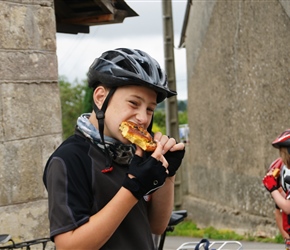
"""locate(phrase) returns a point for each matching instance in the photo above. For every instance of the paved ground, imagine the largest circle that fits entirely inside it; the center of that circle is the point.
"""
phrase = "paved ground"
(173, 242)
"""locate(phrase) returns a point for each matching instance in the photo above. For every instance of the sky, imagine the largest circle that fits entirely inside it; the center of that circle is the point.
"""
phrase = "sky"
(145, 32)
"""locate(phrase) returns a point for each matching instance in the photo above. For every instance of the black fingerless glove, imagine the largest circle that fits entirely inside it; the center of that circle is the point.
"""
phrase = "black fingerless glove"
(174, 160)
(149, 176)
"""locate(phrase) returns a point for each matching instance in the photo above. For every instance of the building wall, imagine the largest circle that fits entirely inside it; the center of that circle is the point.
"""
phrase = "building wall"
(238, 82)
(30, 114)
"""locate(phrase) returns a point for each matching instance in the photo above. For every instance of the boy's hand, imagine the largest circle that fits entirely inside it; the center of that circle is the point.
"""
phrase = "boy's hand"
(270, 183)
(144, 177)
(173, 152)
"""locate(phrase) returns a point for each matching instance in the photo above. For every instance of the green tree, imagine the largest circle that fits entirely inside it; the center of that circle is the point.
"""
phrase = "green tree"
(72, 104)
(88, 99)
(159, 123)
(182, 117)
(182, 105)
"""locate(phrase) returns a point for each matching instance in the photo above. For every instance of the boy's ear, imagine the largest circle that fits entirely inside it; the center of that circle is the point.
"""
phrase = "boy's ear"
(99, 96)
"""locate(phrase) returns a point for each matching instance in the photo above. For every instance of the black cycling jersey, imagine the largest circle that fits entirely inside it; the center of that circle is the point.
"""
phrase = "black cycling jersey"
(77, 189)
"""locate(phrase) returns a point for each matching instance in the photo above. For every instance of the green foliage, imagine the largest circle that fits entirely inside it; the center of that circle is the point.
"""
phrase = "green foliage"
(182, 117)
(160, 106)
(72, 104)
(189, 229)
(182, 106)
(159, 123)
(279, 239)
(156, 128)
(160, 119)
(88, 99)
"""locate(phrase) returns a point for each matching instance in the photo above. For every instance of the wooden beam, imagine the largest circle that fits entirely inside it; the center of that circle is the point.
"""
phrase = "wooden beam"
(89, 20)
(71, 28)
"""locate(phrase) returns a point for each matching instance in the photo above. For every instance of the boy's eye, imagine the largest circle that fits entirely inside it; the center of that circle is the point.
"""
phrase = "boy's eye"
(150, 110)
(134, 103)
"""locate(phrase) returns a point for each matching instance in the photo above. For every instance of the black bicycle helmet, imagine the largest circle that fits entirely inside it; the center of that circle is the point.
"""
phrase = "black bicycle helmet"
(283, 140)
(124, 66)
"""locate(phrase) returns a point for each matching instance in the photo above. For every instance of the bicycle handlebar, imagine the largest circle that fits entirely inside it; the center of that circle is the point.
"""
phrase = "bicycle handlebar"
(24, 244)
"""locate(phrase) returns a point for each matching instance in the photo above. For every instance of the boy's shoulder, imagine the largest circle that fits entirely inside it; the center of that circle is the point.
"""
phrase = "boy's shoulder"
(73, 145)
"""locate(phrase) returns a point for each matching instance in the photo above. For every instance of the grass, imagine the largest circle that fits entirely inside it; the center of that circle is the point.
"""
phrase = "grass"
(190, 229)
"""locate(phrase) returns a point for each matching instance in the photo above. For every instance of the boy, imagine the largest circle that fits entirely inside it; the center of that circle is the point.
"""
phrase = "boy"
(104, 192)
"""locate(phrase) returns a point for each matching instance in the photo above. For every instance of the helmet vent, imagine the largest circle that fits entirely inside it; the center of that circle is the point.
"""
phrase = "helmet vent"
(146, 67)
(125, 65)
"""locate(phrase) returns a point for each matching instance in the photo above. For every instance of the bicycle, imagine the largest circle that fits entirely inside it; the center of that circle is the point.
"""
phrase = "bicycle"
(11, 244)
(205, 244)
(176, 217)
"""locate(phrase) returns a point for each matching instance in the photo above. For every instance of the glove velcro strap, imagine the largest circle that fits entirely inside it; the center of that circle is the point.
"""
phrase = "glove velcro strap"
(134, 186)
(273, 189)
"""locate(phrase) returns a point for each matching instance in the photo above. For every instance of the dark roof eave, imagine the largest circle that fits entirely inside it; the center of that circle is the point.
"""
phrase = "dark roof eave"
(77, 16)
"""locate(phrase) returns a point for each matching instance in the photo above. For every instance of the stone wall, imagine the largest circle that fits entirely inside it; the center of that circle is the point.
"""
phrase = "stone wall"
(30, 114)
(238, 82)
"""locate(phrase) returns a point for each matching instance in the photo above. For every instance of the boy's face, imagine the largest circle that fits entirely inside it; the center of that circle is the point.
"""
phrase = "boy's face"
(129, 103)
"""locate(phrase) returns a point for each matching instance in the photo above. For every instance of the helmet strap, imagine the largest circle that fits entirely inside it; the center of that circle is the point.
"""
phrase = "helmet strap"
(100, 115)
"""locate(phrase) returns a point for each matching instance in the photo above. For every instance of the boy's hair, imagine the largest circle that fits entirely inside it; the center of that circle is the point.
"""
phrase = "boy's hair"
(285, 156)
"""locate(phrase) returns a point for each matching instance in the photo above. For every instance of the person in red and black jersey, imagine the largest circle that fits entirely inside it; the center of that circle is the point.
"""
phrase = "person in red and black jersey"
(279, 187)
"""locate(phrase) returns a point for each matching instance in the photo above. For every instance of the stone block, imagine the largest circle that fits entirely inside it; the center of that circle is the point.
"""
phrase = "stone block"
(30, 110)
(25, 221)
(206, 213)
(27, 27)
(21, 168)
(46, 3)
(28, 66)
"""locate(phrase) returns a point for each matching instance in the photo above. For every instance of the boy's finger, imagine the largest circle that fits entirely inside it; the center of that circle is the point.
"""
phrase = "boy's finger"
(157, 154)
